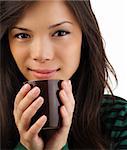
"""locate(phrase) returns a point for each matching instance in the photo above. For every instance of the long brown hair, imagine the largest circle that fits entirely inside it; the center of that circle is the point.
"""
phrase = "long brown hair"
(88, 82)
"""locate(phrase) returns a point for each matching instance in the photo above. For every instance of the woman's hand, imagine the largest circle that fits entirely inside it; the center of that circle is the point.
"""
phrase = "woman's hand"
(59, 139)
(26, 105)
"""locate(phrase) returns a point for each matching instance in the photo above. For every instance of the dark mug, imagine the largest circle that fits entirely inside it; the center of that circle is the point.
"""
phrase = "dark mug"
(50, 92)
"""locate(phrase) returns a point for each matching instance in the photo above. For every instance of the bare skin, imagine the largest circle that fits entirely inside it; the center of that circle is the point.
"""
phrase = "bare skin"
(25, 107)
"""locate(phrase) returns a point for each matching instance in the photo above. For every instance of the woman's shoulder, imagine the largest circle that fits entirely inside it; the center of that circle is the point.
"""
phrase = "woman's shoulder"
(108, 98)
(113, 105)
(114, 108)
(114, 119)
(112, 100)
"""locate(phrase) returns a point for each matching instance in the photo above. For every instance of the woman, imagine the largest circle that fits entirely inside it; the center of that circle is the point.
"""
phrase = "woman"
(57, 40)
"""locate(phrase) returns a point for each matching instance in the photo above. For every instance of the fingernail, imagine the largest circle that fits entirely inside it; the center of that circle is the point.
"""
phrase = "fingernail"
(26, 86)
(41, 99)
(69, 82)
(64, 83)
(36, 90)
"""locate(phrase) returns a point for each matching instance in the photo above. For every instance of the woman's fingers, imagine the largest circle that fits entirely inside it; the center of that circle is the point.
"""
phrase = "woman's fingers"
(26, 101)
(37, 126)
(21, 94)
(66, 119)
(66, 97)
(67, 109)
(67, 87)
(29, 113)
(30, 138)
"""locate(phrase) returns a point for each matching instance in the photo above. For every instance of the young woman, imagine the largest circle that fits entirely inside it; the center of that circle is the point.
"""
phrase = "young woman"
(43, 40)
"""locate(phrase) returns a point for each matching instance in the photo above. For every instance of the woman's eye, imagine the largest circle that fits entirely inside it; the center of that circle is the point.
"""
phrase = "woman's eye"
(61, 33)
(22, 36)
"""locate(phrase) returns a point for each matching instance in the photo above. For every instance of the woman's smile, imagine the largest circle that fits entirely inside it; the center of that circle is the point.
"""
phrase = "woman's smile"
(43, 73)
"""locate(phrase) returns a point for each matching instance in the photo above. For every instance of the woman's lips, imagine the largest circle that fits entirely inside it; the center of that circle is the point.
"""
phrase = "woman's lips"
(43, 74)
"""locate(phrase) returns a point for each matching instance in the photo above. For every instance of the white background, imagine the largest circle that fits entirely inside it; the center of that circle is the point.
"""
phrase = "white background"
(112, 19)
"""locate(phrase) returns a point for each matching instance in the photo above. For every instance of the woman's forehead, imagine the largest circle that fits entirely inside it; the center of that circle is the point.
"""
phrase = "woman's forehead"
(50, 12)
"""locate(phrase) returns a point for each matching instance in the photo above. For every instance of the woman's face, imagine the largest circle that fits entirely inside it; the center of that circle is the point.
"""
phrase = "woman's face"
(46, 41)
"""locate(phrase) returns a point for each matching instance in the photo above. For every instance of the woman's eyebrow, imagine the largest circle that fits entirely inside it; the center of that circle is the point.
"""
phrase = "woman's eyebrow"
(58, 24)
(51, 26)
(21, 28)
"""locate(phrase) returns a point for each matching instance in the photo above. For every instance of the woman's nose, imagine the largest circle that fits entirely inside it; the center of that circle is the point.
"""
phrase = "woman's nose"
(42, 50)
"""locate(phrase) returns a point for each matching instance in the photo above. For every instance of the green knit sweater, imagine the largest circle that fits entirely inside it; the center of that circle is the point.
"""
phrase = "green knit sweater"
(114, 117)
